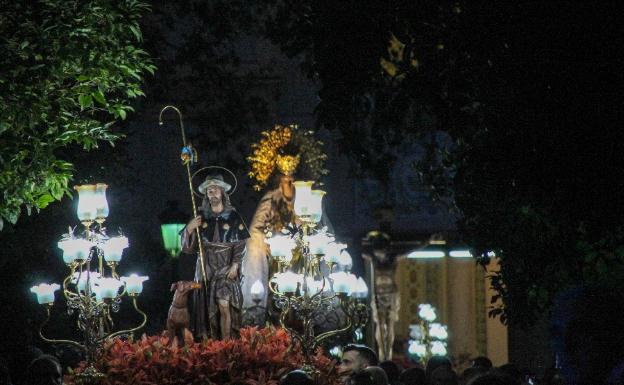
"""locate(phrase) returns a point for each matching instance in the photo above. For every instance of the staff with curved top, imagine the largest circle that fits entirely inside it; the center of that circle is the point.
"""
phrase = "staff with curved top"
(188, 156)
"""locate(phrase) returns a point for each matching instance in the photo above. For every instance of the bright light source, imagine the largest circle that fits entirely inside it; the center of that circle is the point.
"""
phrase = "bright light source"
(438, 348)
(416, 348)
(427, 312)
(426, 254)
(134, 283)
(460, 254)
(438, 331)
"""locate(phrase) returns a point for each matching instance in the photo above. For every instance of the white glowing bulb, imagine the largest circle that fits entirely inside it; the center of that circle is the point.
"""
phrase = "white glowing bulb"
(75, 249)
(320, 242)
(134, 283)
(287, 282)
(345, 259)
(416, 332)
(416, 348)
(91, 276)
(438, 331)
(109, 287)
(113, 248)
(426, 312)
(438, 348)
(281, 247)
(45, 292)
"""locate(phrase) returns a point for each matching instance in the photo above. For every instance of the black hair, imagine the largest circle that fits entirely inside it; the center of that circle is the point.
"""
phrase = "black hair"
(364, 351)
(392, 370)
(482, 362)
(413, 376)
(296, 377)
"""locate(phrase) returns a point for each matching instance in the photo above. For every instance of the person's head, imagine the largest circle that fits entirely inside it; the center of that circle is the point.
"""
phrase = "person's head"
(355, 358)
(511, 371)
(482, 362)
(443, 375)
(296, 377)
(379, 375)
(413, 376)
(392, 370)
(44, 370)
(216, 199)
(435, 362)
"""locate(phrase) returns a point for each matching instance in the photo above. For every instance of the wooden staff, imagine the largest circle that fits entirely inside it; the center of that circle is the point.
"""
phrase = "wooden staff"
(188, 156)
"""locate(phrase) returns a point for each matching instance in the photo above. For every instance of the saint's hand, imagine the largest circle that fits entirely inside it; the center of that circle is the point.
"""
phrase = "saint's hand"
(193, 224)
(233, 272)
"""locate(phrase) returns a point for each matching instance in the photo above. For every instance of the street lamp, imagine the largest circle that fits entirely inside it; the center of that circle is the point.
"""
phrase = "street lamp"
(172, 221)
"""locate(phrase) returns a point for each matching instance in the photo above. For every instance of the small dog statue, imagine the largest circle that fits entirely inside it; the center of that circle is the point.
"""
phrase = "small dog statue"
(178, 318)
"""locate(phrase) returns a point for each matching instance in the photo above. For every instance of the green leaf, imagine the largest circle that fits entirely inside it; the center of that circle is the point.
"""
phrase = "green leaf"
(85, 101)
(137, 33)
(99, 97)
(44, 200)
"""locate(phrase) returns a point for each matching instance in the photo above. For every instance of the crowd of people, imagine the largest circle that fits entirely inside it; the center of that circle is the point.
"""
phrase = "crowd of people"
(360, 366)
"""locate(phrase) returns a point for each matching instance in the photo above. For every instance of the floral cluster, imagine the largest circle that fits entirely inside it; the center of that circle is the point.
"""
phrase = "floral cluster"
(284, 147)
(260, 356)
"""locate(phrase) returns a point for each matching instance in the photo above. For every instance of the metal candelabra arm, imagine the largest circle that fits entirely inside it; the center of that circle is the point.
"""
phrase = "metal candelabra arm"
(57, 341)
(318, 339)
(129, 331)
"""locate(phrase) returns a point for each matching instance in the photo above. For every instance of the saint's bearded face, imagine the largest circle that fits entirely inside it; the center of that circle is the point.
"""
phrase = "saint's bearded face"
(215, 195)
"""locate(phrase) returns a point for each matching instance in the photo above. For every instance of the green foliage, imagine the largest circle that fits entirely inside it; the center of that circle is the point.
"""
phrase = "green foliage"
(69, 69)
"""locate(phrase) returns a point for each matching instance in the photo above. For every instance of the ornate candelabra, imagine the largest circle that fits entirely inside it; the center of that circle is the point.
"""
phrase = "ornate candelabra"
(306, 283)
(92, 291)
(428, 338)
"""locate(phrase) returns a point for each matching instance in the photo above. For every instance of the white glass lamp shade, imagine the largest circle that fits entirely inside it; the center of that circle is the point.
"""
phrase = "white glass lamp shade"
(437, 330)
(361, 289)
(101, 204)
(281, 247)
(345, 260)
(109, 287)
(80, 279)
(287, 282)
(316, 205)
(313, 286)
(257, 290)
(134, 283)
(303, 198)
(87, 202)
(45, 292)
(416, 332)
(341, 282)
(113, 248)
(438, 348)
(417, 348)
(319, 243)
(332, 252)
(426, 312)
(75, 249)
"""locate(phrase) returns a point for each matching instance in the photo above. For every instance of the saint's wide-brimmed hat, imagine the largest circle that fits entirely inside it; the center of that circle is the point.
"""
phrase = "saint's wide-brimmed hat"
(213, 180)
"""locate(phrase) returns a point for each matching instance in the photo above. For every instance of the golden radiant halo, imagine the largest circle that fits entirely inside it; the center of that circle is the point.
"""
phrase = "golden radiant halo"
(267, 154)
